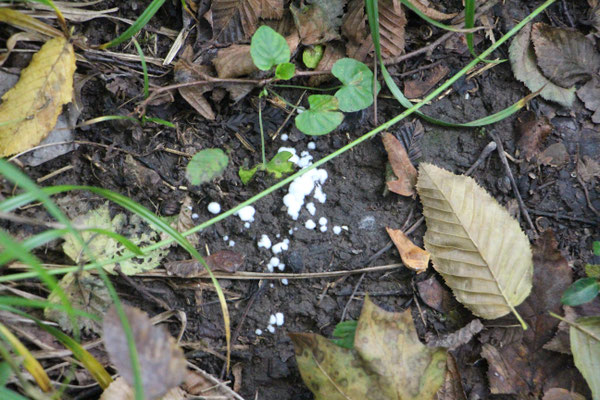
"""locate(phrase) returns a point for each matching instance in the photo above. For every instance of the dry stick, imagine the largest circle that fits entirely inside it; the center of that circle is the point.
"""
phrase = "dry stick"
(587, 195)
(289, 115)
(513, 183)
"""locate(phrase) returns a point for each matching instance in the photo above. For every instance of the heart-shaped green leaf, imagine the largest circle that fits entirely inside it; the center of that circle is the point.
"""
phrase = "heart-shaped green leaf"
(247, 174)
(357, 92)
(285, 71)
(312, 56)
(280, 165)
(206, 165)
(268, 48)
(321, 118)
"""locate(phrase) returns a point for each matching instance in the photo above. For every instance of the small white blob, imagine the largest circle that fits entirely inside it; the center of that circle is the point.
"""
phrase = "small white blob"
(225, 238)
(281, 246)
(258, 332)
(272, 319)
(231, 243)
(322, 221)
(284, 137)
(323, 228)
(247, 225)
(195, 216)
(271, 328)
(281, 267)
(279, 318)
(189, 208)
(319, 195)
(291, 231)
(310, 224)
(311, 208)
(246, 214)
(284, 281)
(337, 230)
(264, 242)
(311, 145)
(278, 236)
(214, 208)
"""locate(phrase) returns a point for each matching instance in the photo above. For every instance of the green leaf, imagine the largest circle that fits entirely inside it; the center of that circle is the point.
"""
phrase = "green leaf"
(5, 373)
(581, 291)
(357, 92)
(137, 25)
(268, 48)
(206, 165)
(285, 71)
(345, 332)
(596, 248)
(312, 56)
(280, 165)
(592, 270)
(247, 174)
(584, 334)
(321, 118)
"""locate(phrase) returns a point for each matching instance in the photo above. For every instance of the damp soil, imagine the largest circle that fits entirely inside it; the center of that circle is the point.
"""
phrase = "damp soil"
(356, 200)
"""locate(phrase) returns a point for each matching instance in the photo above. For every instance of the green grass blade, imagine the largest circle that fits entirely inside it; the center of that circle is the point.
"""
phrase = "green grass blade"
(159, 121)
(7, 301)
(433, 22)
(469, 24)
(35, 241)
(137, 25)
(8, 394)
(144, 67)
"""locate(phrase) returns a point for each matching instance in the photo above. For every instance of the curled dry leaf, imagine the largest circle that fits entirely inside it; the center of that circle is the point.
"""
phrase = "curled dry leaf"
(425, 7)
(405, 172)
(555, 155)
(479, 249)
(234, 20)
(201, 383)
(523, 63)
(531, 132)
(456, 339)
(224, 260)
(31, 108)
(371, 370)
(234, 61)
(163, 365)
(412, 256)
(590, 95)
(565, 56)
(319, 21)
(186, 71)
(436, 296)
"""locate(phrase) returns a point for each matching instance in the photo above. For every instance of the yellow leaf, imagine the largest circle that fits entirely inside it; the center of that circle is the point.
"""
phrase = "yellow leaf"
(474, 243)
(412, 255)
(30, 109)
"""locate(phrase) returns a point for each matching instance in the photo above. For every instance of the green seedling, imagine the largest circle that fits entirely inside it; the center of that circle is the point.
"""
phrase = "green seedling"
(278, 166)
(206, 165)
(312, 56)
(585, 290)
(344, 333)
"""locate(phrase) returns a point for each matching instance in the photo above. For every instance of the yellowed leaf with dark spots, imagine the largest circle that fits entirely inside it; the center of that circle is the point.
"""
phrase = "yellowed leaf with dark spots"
(412, 255)
(30, 109)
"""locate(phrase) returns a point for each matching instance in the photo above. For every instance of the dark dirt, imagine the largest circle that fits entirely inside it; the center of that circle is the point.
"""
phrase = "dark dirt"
(354, 198)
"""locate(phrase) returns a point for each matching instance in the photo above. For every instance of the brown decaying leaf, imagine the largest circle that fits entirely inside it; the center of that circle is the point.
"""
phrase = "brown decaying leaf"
(318, 22)
(588, 168)
(185, 221)
(392, 22)
(410, 134)
(354, 22)
(224, 260)
(555, 155)
(140, 175)
(186, 71)
(523, 64)
(163, 365)
(271, 9)
(120, 390)
(565, 56)
(456, 339)
(31, 108)
(234, 61)
(561, 394)
(401, 165)
(332, 53)
(590, 95)
(388, 361)
(412, 256)
(452, 389)
(523, 367)
(234, 20)
(436, 296)
(425, 7)
(594, 14)
(531, 132)
(418, 88)
(201, 383)
(560, 342)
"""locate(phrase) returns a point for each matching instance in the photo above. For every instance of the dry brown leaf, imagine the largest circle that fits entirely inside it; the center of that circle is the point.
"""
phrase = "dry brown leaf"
(452, 389)
(436, 296)
(186, 71)
(555, 155)
(271, 9)
(412, 256)
(120, 390)
(456, 339)
(392, 22)
(410, 134)
(201, 383)
(224, 260)
(418, 88)
(561, 342)
(332, 53)
(354, 23)
(138, 174)
(562, 394)
(234, 61)
(565, 56)
(590, 95)
(318, 22)
(31, 108)
(425, 7)
(588, 168)
(185, 221)
(163, 365)
(594, 14)
(401, 165)
(234, 20)
(531, 133)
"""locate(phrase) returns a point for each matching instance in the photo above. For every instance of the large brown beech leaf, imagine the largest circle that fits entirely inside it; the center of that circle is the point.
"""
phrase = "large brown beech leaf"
(234, 20)
(392, 22)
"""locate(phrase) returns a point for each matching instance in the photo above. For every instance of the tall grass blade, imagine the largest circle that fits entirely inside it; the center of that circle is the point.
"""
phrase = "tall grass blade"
(144, 67)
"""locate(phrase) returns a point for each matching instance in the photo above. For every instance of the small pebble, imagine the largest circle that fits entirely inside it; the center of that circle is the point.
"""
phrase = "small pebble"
(279, 318)
(311, 145)
(214, 208)
(284, 137)
(310, 224)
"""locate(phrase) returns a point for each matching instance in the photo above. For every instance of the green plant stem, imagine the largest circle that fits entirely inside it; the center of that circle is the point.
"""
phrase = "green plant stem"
(308, 88)
(289, 179)
(262, 134)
